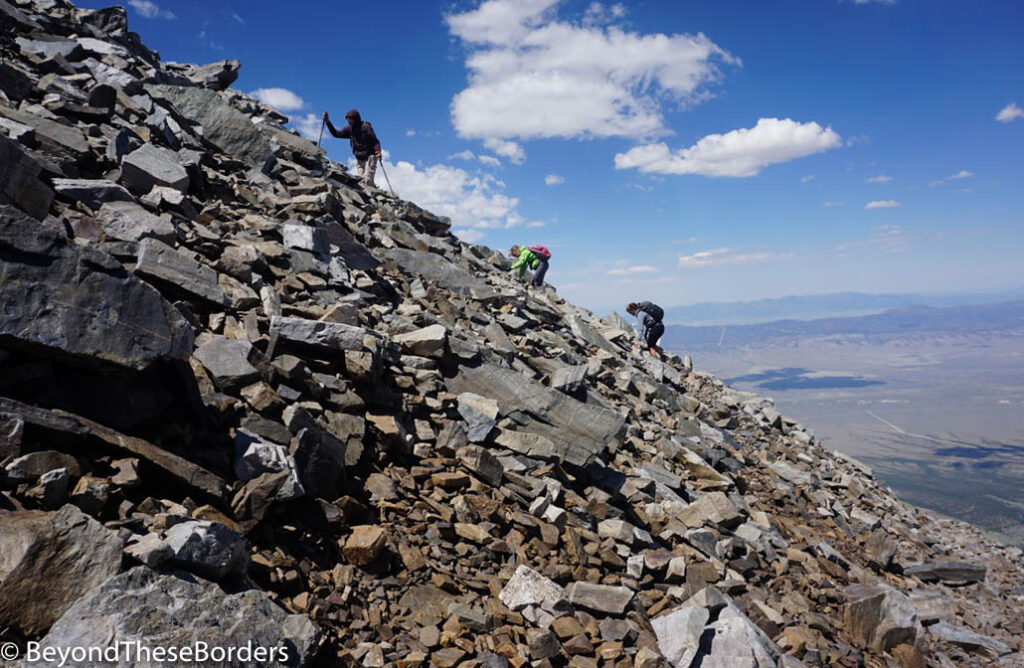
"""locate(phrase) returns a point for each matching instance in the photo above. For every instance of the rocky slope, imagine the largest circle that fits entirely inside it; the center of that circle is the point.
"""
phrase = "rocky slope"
(247, 403)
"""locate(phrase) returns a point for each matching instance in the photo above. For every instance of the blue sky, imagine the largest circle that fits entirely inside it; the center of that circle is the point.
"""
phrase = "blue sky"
(674, 150)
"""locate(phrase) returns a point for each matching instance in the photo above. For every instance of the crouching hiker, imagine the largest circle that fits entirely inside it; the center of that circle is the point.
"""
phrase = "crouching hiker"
(365, 145)
(652, 328)
(534, 257)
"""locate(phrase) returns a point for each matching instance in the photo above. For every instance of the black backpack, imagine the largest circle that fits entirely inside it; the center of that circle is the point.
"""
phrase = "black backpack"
(652, 310)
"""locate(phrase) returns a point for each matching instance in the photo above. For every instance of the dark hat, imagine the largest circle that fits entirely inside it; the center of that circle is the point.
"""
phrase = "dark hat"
(353, 113)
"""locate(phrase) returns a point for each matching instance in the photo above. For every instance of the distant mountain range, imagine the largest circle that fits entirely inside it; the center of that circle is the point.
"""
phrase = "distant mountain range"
(907, 322)
(821, 306)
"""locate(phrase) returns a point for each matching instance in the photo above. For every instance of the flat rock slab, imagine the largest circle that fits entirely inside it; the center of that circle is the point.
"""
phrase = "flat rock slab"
(228, 361)
(329, 336)
(527, 587)
(947, 571)
(578, 432)
(127, 221)
(58, 139)
(80, 302)
(178, 272)
(48, 560)
(599, 598)
(149, 166)
(679, 634)
(990, 648)
(224, 126)
(426, 342)
(435, 268)
(713, 507)
(93, 193)
(180, 610)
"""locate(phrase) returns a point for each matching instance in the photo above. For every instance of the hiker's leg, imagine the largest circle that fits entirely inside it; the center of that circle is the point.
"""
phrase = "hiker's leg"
(538, 276)
(370, 170)
(653, 334)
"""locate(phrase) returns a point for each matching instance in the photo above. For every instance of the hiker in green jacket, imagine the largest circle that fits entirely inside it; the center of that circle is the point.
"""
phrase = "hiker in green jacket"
(534, 257)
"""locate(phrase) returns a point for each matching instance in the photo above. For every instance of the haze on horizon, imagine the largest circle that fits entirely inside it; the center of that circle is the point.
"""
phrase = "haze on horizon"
(679, 152)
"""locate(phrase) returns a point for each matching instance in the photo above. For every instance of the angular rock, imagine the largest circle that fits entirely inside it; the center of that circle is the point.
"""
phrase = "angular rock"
(947, 571)
(569, 378)
(81, 302)
(327, 336)
(209, 549)
(215, 76)
(306, 237)
(57, 139)
(319, 462)
(528, 588)
(227, 360)
(736, 644)
(29, 467)
(975, 643)
(19, 181)
(127, 221)
(480, 414)
(175, 610)
(178, 272)
(578, 431)
(679, 634)
(713, 507)
(425, 342)
(149, 166)
(433, 267)
(48, 560)
(599, 598)
(93, 193)
(365, 544)
(225, 127)
(482, 462)
(879, 617)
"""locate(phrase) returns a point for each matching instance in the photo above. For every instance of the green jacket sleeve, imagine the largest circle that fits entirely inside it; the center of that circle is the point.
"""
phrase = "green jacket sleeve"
(525, 259)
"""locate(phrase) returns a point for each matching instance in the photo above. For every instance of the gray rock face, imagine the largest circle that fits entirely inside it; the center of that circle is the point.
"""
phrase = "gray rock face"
(679, 634)
(127, 221)
(216, 76)
(93, 193)
(973, 642)
(599, 598)
(54, 138)
(227, 128)
(480, 414)
(736, 644)
(47, 560)
(176, 610)
(329, 336)
(80, 301)
(433, 267)
(306, 237)
(714, 507)
(149, 166)
(19, 181)
(946, 571)
(209, 549)
(527, 587)
(578, 431)
(178, 272)
(569, 378)
(228, 361)
(879, 617)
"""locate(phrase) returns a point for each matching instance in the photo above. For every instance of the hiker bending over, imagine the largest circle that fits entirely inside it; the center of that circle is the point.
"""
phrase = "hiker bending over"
(649, 316)
(534, 257)
(365, 145)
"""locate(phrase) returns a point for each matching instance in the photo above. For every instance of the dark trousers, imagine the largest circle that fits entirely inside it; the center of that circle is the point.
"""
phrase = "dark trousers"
(652, 335)
(538, 275)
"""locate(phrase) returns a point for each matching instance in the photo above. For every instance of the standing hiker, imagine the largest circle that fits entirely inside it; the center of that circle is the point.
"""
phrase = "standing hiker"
(534, 257)
(365, 145)
(649, 316)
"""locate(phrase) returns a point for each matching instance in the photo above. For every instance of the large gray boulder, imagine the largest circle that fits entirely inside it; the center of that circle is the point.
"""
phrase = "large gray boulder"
(228, 361)
(679, 633)
(177, 272)
(149, 166)
(578, 431)
(209, 549)
(47, 560)
(434, 267)
(127, 221)
(327, 336)
(215, 76)
(19, 180)
(179, 610)
(879, 617)
(224, 126)
(80, 302)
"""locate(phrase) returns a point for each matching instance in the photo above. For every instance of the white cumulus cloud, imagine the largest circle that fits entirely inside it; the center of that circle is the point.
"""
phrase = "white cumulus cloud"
(1010, 112)
(738, 153)
(150, 10)
(553, 180)
(281, 99)
(533, 75)
(308, 126)
(630, 271)
(508, 149)
(882, 204)
(724, 256)
(962, 174)
(473, 202)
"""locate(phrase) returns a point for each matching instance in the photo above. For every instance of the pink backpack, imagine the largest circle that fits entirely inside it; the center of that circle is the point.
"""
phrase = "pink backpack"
(540, 251)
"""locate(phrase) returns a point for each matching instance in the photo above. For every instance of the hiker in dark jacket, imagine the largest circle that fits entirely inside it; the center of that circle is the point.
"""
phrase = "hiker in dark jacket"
(534, 257)
(649, 316)
(365, 145)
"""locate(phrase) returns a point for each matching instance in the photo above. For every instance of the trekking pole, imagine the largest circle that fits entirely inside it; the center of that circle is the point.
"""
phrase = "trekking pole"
(385, 172)
(322, 124)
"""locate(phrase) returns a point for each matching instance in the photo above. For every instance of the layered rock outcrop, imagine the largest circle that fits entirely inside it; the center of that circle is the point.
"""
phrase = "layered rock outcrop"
(243, 398)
